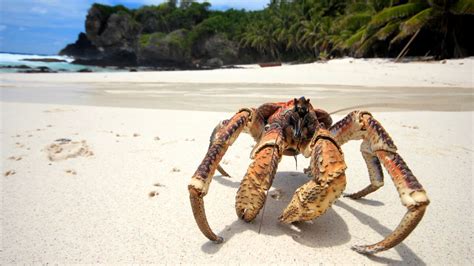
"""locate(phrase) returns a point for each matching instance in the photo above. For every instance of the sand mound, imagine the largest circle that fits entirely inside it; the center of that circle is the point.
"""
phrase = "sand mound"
(63, 149)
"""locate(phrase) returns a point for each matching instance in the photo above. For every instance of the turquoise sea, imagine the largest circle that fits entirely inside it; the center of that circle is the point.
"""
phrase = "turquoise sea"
(12, 59)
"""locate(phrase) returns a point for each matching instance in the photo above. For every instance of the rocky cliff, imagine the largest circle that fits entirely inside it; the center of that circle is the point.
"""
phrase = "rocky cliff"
(117, 36)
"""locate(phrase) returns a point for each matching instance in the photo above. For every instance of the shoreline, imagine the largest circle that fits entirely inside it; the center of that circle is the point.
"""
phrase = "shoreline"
(345, 72)
(223, 97)
(373, 84)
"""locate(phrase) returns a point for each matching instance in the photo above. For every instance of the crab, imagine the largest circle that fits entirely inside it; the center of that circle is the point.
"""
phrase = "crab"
(296, 127)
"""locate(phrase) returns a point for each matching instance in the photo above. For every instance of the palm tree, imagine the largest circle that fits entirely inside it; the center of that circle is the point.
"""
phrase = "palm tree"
(397, 23)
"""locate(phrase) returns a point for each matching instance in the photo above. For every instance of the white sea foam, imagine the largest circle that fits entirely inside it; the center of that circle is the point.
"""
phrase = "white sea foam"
(17, 58)
(12, 59)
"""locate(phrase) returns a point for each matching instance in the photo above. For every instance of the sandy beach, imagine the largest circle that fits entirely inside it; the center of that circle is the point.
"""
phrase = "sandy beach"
(118, 192)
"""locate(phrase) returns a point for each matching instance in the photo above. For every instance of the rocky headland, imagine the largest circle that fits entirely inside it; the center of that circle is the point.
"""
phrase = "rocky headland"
(117, 36)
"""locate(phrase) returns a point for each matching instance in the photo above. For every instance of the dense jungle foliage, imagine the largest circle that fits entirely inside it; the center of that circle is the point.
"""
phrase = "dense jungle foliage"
(313, 29)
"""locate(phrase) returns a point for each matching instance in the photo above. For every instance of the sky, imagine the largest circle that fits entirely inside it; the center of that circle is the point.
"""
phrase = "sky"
(47, 26)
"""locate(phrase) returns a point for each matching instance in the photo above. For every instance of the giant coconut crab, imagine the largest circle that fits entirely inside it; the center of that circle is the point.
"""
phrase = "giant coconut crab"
(296, 127)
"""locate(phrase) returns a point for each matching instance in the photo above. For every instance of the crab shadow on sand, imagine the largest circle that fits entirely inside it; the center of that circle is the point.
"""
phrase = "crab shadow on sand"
(328, 230)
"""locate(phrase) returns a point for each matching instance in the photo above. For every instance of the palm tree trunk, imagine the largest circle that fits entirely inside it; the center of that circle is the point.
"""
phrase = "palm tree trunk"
(402, 53)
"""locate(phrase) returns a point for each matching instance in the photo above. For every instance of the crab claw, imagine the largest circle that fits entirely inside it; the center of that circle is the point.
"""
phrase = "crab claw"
(367, 250)
(197, 204)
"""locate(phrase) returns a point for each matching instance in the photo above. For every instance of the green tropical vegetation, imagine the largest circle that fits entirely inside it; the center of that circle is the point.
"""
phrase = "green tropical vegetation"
(295, 30)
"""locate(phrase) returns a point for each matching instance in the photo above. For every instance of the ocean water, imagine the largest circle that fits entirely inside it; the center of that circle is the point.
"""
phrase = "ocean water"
(12, 59)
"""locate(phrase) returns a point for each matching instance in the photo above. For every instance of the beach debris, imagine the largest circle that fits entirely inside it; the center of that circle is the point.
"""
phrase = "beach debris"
(158, 185)
(136, 134)
(19, 145)
(15, 158)
(56, 110)
(9, 173)
(157, 138)
(175, 170)
(49, 125)
(152, 194)
(276, 194)
(63, 140)
(62, 150)
(412, 127)
(72, 172)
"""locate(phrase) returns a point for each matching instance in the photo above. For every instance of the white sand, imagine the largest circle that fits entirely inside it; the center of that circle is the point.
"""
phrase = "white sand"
(97, 209)
(348, 71)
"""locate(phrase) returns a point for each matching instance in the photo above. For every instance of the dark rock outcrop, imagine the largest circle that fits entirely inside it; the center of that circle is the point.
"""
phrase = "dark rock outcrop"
(213, 63)
(45, 60)
(116, 36)
(216, 46)
(81, 49)
(41, 69)
(113, 38)
(15, 67)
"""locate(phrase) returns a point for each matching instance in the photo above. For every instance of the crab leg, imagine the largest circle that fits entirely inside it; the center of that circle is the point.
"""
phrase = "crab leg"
(200, 181)
(211, 140)
(378, 144)
(412, 195)
(375, 173)
(259, 177)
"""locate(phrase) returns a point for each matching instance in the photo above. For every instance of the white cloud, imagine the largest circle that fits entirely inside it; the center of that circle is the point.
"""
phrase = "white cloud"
(239, 3)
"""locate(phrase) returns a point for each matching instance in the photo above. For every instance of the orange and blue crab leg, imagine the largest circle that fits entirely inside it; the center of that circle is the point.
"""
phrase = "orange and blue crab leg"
(375, 174)
(200, 181)
(377, 143)
(211, 140)
(253, 189)
(315, 197)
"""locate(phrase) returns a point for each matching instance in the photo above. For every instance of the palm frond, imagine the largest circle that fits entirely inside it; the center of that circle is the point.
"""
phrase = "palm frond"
(413, 24)
(353, 22)
(463, 7)
(396, 12)
(355, 38)
(387, 31)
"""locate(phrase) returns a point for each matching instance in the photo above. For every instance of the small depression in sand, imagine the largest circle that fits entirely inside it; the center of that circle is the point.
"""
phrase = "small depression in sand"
(63, 149)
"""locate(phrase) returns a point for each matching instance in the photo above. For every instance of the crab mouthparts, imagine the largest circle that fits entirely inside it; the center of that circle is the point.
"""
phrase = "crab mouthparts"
(297, 130)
